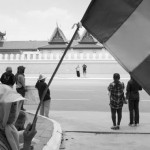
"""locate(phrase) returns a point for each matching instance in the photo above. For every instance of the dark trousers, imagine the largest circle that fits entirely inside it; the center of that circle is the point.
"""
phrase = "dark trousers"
(113, 115)
(134, 111)
(22, 92)
(78, 73)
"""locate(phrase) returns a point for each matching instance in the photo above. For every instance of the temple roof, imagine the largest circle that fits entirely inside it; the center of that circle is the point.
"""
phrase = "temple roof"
(87, 38)
(87, 42)
(58, 41)
(53, 46)
(21, 45)
(58, 37)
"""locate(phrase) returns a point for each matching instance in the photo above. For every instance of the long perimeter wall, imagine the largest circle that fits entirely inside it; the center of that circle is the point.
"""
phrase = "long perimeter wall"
(67, 67)
(99, 62)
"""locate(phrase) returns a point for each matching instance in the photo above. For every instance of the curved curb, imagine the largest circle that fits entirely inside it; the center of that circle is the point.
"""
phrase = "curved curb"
(55, 140)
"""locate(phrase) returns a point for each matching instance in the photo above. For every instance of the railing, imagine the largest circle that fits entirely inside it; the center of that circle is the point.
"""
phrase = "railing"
(71, 55)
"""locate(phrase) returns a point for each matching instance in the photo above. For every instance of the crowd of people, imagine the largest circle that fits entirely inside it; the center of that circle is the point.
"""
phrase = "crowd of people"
(118, 97)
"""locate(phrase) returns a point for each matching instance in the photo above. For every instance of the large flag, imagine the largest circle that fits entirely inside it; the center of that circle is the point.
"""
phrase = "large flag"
(123, 26)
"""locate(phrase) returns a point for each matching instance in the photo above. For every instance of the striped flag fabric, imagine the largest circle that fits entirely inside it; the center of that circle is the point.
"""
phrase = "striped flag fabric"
(123, 27)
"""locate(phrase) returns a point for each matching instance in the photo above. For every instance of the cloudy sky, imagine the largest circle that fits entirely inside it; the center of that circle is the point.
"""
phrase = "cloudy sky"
(37, 19)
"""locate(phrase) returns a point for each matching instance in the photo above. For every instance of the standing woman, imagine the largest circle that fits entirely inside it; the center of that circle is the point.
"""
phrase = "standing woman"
(20, 82)
(116, 93)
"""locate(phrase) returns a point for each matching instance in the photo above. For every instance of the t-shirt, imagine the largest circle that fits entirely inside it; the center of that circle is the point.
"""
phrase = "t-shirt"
(116, 94)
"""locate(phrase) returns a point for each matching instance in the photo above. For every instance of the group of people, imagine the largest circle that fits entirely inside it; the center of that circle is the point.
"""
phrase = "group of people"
(12, 113)
(10, 79)
(118, 97)
(84, 67)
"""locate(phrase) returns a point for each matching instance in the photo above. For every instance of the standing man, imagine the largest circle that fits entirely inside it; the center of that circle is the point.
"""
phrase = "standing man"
(20, 83)
(45, 105)
(84, 69)
(132, 94)
(8, 77)
(116, 93)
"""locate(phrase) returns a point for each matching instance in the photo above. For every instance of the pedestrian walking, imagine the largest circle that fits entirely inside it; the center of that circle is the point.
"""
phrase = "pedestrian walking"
(45, 104)
(8, 77)
(78, 71)
(84, 67)
(116, 93)
(20, 83)
(132, 95)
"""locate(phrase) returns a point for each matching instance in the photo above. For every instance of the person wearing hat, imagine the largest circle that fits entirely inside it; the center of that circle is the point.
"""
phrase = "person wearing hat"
(41, 86)
(8, 77)
(10, 104)
(116, 95)
(20, 82)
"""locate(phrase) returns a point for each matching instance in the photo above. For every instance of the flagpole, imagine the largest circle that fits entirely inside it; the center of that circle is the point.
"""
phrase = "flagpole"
(55, 71)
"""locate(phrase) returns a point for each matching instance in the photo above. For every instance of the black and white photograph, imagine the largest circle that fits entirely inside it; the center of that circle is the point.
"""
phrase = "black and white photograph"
(75, 74)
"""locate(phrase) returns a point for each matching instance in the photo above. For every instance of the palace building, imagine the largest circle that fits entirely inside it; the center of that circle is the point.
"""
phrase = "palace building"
(43, 56)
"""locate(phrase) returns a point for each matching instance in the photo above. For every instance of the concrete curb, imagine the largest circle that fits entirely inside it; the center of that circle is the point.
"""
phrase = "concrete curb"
(55, 140)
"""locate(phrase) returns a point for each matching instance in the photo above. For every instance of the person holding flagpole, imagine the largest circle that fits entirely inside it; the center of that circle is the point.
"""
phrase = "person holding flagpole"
(10, 138)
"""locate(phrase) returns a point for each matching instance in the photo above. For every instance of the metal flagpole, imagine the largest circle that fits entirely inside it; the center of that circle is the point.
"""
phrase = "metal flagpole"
(55, 71)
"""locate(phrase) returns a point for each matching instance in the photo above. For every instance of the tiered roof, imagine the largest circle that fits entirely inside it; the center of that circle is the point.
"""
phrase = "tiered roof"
(16, 46)
(57, 41)
(87, 42)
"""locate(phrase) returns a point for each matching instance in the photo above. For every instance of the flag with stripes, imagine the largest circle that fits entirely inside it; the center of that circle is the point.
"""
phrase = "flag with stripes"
(123, 27)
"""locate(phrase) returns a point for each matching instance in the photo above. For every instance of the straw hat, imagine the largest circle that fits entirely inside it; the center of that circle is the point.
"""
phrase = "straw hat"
(41, 77)
(8, 95)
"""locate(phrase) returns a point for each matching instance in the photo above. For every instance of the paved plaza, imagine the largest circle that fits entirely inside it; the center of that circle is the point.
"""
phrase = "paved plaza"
(86, 130)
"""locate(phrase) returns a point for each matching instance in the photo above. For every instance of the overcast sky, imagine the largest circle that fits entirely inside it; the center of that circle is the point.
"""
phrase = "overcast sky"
(37, 19)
